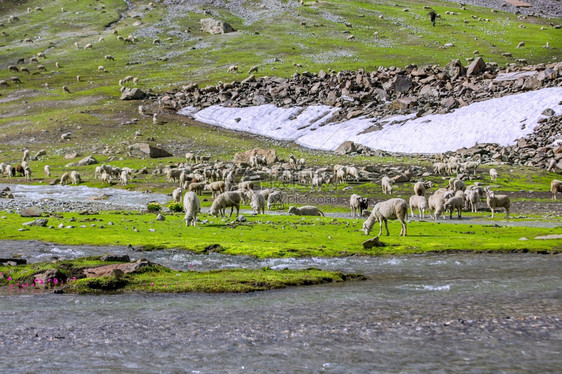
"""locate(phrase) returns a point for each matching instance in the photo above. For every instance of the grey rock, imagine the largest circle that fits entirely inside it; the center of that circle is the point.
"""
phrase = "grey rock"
(145, 149)
(90, 160)
(476, 67)
(41, 222)
(214, 26)
(133, 94)
(31, 212)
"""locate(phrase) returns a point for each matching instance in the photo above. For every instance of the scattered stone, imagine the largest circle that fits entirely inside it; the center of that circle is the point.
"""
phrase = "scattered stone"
(160, 217)
(31, 212)
(42, 222)
(133, 94)
(241, 218)
(145, 149)
(373, 242)
(115, 258)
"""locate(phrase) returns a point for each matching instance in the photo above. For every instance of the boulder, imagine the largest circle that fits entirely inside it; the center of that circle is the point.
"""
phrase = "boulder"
(90, 160)
(133, 94)
(41, 222)
(454, 69)
(373, 242)
(145, 149)
(346, 147)
(476, 67)
(115, 258)
(215, 26)
(401, 83)
(32, 211)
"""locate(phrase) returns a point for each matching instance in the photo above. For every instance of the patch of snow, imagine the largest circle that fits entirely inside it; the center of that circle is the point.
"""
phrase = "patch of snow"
(499, 120)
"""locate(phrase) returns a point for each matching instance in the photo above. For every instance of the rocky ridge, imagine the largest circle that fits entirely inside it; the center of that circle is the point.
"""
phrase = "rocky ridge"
(392, 91)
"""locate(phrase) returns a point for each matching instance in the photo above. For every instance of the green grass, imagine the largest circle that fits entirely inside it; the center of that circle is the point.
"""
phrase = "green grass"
(159, 279)
(278, 236)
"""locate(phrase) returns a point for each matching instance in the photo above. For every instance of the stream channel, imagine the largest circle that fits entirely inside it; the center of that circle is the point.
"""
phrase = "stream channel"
(446, 313)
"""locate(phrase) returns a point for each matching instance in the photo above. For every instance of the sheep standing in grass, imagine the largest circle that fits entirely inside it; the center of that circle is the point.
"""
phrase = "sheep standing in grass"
(390, 209)
(316, 183)
(196, 187)
(75, 177)
(497, 201)
(386, 184)
(176, 195)
(307, 210)
(472, 197)
(27, 172)
(454, 203)
(493, 174)
(227, 199)
(555, 187)
(217, 188)
(436, 204)
(124, 178)
(47, 170)
(276, 198)
(420, 187)
(357, 204)
(257, 202)
(105, 178)
(191, 207)
(64, 179)
(420, 203)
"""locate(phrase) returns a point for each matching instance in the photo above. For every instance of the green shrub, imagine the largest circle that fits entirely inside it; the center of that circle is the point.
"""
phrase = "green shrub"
(175, 207)
(153, 207)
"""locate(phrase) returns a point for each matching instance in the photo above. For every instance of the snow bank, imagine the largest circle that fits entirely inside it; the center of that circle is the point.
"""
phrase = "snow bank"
(501, 120)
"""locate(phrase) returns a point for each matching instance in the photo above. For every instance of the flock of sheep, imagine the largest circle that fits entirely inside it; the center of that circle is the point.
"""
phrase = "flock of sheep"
(231, 185)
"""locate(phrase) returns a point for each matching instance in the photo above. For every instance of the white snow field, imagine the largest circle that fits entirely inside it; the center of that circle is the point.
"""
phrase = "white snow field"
(500, 120)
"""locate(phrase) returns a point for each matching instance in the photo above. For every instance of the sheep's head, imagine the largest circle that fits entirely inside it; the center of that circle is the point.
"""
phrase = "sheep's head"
(292, 210)
(366, 228)
(214, 211)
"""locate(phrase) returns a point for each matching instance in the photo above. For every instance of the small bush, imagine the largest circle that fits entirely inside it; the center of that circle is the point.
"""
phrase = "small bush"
(175, 207)
(153, 207)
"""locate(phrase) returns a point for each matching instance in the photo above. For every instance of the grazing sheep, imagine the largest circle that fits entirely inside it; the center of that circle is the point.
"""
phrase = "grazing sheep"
(454, 203)
(135, 81)
(390, 209)
(41, 54)
(555, 187)
(472, 197)
(386, 184)
(41, 68)
(3, 83)
(109, 57)
(173, 175)
(232, 69)
(307, 210)
(224, 200)
(27, 172)
(65, 89)
(216, 188)
(276, 198)
(13, 68)
(25, 156)
(420, 203)
(26, 70)
(357, 204)
(353, 173)
(191, 207)
(493, 174)
(253, 69)
(176, 195)
(75, 177)
(245, 186)
(436, 204)
(77, 78)
(65, 179)
(456, 185)
(470, 166)
(47, 170)
(101, 69)
(88, 46)
(33, 59)
(453, 165)
(189, 157)
(497, 201)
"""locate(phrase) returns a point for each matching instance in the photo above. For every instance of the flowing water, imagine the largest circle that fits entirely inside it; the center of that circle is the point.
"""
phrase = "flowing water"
(454, 313)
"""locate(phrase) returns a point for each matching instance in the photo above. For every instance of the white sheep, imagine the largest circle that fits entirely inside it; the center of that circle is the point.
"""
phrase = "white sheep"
(27, 172)
(386, 184)
(497, 201)
(232, 69)
(555, 187)
(439, 167)
(227, 199)
(471, 166)
(317, 182)
(420, 187)
(353, 173)
(245, 186)
(357, 204)
(105, 178)
(47, 170)
(124, 178)
(454, 203)
(390, 209)
(420, 203)
(75, 177)
(176, 195)
(276, 198)
(217, 188)
(64, 179)
(472, 197)
(436, 204)
(307, 210)
(189, 157)
(257, 202)
(456, 185)
(191, 206)
(196, 187)
(25, 155)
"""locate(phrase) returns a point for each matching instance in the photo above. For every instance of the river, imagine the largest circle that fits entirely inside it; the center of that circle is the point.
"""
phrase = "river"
(453, 313)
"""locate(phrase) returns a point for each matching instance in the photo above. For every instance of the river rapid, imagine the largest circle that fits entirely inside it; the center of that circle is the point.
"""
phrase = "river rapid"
(453, 313)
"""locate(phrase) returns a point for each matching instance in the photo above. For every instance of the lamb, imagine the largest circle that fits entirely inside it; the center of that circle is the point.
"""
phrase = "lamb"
(353, 173)
(245, 186)
(456, 185)
(420, 203)
(124, 178)
(497, 201)
(386, 184)
(357, 203)
(173, 175)
(555, 187)
(27, 172)
(390, 209)
(64, 179)
(176, 195)
(224, 200)
(196, 187)
(454, 203)
(105, 178)
(47, 170)
(75, 177)
(307, 210)
(276, 198)
(216, 188)
(191, 206)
